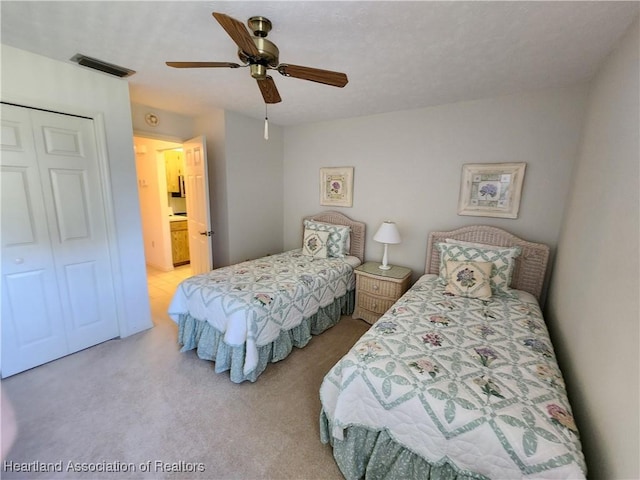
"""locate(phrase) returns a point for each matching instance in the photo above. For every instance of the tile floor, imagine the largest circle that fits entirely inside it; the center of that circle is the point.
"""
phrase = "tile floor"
(162, 286)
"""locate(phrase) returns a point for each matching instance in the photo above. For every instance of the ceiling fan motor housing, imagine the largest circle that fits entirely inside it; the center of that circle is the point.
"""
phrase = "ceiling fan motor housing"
(269, 53)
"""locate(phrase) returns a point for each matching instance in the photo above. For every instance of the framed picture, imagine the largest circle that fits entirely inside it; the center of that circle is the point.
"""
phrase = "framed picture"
(336, 186)
(491, 189)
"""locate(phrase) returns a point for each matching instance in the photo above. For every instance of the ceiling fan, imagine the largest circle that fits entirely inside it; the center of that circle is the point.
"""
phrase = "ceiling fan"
(261, 55)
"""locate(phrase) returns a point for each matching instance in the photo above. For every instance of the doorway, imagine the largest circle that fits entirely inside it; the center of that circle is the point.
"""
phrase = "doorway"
(160, 170)
(152, 157)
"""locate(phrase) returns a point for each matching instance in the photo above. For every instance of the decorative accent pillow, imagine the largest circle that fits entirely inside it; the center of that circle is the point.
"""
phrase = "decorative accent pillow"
(502, 258)
(469, 279)
(314, 243)
(339, 237)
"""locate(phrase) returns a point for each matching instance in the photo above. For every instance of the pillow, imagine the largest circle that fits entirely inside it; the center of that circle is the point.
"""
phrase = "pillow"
(314, 243)
(469, 279)
(502, 258)
(339, 237)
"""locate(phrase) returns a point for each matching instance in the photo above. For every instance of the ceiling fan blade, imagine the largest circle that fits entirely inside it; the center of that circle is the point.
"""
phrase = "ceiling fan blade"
(202, 64)
(238, 33)
(269, 90)
(335, 79)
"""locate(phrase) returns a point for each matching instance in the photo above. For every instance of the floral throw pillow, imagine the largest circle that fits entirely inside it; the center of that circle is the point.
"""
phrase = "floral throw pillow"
(502, 258)
(339, 237)
(314, 243)
(469, 279)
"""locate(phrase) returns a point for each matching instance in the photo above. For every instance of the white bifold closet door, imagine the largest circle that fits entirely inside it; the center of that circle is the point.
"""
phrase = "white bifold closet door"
(57, 286)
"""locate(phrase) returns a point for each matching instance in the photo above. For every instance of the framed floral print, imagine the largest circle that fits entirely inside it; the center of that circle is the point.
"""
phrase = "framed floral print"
(336, 186)
(491, 189)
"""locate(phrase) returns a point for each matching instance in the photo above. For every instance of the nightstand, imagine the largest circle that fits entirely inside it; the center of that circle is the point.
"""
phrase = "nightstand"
(377, 290)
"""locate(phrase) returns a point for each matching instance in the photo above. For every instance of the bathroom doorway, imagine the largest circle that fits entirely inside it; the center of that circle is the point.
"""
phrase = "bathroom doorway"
(160, 177)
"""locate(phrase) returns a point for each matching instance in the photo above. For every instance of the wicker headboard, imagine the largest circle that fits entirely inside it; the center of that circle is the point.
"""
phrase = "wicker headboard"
(531, 265)
(357, 229)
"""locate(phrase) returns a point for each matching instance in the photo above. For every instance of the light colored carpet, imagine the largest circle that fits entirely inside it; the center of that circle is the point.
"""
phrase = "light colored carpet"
(138, 400)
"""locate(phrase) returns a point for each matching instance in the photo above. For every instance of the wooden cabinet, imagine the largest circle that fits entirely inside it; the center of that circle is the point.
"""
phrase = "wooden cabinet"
(377, 290)
(173, 167)
(179, 242)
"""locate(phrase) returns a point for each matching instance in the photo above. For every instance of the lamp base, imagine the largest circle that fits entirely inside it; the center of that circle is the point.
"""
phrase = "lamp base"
(383, 265)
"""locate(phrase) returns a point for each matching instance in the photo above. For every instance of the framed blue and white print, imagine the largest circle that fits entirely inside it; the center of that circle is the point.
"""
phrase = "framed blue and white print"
(491, 189)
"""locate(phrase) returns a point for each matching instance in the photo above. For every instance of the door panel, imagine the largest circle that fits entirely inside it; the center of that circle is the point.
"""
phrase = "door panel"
(25, 344)
(28, 299)
(18, 222)
(33, 329)
(82, 281)
(197, 197)
(68, 160)
(70, 200)
(57, 286)
(62, 141)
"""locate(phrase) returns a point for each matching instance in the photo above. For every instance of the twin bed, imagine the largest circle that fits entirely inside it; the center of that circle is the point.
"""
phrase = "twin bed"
(457, 380)
(248, 315)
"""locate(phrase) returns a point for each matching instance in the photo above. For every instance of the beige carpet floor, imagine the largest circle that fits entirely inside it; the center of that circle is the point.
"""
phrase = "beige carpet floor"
(138, 404)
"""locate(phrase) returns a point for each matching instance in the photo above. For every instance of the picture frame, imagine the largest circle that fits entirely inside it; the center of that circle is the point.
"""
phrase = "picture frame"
(336, 186)
(491, 189)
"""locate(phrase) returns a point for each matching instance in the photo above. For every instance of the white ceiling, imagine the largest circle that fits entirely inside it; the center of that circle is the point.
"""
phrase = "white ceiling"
(398, 55)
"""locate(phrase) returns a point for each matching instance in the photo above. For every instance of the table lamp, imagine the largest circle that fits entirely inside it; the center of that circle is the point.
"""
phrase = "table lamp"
(387, 234)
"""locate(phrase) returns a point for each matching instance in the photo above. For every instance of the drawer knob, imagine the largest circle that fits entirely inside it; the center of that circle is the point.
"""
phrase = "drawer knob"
(375, 287)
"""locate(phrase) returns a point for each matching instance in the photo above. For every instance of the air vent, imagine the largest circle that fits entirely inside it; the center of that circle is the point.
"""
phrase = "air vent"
(105, 67)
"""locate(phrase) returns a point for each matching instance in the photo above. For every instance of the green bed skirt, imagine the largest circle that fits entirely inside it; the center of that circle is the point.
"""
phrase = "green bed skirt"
(374, 455)
(209, 342)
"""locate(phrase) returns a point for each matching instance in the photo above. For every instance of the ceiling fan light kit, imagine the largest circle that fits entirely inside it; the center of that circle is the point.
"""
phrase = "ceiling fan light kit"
(262, 55)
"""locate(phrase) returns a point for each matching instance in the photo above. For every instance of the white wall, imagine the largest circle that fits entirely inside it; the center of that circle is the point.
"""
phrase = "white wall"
(35, 81)
(408, 166)
(593, 306)
(212, 126)
(171, 126)
(254, 188)
(245, 185)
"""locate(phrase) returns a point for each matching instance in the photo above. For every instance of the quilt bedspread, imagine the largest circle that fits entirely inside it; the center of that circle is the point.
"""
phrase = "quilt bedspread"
(462, 381)
(252, 302)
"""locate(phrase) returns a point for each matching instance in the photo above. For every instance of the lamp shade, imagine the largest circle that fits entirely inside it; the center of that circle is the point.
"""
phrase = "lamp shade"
(387, 233)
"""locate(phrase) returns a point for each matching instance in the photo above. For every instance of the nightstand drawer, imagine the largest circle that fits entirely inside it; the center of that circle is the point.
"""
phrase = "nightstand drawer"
(382, 288)
(373, 303)
(377, 290)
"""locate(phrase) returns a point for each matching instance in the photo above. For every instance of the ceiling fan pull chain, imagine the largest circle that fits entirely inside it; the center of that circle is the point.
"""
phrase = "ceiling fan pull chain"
(266, 123)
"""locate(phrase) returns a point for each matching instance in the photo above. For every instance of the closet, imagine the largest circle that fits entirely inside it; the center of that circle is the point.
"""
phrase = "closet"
(57, 286)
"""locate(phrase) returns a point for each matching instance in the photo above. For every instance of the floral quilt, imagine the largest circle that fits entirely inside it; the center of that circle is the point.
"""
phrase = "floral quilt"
(474, 383)
(252, 302)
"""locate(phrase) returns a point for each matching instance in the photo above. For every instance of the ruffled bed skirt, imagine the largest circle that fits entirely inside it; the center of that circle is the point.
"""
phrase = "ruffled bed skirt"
(374, 455)
(209, 342)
